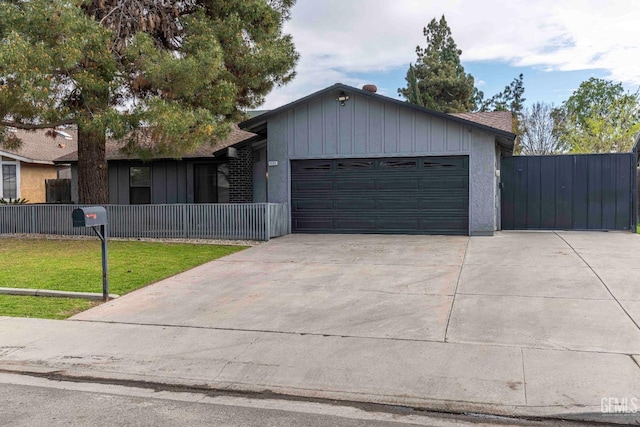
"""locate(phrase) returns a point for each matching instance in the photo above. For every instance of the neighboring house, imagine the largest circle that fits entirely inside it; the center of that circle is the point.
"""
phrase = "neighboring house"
(352, 161)
(201, 176)
(23, 171)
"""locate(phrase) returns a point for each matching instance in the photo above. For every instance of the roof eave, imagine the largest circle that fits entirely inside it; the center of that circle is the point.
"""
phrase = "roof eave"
(239, 144)
(24, 159)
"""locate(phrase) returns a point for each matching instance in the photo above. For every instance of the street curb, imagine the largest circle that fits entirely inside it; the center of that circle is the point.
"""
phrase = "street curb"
(389, 404)
(58, 294)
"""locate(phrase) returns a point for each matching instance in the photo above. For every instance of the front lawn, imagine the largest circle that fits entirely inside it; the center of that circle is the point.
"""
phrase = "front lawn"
(74, 265)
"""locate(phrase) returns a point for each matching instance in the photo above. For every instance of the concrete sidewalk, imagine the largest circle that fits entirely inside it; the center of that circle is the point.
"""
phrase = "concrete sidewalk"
(535, 324)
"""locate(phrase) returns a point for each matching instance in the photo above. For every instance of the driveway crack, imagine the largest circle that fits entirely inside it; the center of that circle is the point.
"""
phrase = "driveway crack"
(633, 359)
(524, 378)
(455, 292)
(236, 357)
(601, 281)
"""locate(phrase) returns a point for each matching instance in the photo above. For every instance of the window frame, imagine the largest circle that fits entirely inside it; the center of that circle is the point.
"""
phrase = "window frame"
(10, 162)
(217, 174)
(150, 186)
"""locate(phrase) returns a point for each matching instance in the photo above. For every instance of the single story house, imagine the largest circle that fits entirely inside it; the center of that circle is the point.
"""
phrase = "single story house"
(344, 160)
(23, 171)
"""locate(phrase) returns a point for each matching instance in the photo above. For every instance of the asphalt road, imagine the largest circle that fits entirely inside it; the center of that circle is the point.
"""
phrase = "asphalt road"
(28, 401)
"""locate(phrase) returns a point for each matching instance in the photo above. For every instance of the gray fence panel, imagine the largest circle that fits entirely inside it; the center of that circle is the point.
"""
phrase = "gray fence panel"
(278, 219)
(569, 192)
(251, 221)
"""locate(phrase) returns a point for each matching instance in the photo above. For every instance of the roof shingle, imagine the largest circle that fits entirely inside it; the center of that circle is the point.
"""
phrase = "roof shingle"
(40, 146)
(496, 119)
(206, 150)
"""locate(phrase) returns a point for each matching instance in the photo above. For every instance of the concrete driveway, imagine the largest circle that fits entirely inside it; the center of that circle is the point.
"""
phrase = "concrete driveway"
(543, 290)
(529, 324)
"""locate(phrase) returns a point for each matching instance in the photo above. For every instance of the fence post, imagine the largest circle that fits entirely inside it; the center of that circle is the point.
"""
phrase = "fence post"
(267, 222)
(32, 225)
(185, 223)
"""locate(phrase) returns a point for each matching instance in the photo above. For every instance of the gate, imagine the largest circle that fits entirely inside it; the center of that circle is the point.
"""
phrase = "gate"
(569, 192)
(58, 190)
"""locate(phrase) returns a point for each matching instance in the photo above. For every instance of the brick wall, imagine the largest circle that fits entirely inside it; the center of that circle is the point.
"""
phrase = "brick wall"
(240, 177)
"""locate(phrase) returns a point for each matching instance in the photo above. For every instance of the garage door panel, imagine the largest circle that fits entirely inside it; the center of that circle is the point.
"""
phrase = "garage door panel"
(396, 204)
(355, 224)
(350, 184)
(313, 204)
(312, 224)
(318, 185)
(388, 195)
(355, 204)
(400, 224)
(397, 184)
(448, 205)
(312, 166)
(445, 182)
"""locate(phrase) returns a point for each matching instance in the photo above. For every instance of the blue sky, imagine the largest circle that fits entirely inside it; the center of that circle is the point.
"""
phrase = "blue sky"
(556, 44)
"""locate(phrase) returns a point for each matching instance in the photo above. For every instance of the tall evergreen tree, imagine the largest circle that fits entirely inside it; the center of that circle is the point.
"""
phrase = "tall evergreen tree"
(164, 75)
(437, 80)
(510, 99)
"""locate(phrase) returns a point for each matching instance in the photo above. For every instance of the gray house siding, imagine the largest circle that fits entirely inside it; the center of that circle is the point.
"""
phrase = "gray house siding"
(367, 127)
(259, 173)
(172, 181)
(168, 182)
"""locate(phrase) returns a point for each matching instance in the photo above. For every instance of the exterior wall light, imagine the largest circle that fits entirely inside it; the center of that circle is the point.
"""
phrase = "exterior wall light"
(342, 98)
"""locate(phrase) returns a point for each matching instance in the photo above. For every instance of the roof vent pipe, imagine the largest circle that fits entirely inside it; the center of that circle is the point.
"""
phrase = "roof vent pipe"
(370, 88)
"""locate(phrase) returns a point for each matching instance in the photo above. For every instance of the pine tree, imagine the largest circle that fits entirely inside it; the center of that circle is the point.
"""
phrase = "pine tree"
(163, 76)
(437, 80)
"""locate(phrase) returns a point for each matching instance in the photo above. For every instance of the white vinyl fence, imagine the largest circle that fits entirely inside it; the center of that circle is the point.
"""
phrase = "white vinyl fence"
(250, 221)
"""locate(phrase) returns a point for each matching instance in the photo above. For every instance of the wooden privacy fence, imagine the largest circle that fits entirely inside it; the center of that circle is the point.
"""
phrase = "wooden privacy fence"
(570, 192)
(250, 221)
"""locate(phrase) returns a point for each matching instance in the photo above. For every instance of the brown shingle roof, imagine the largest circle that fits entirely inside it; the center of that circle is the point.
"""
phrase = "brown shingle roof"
(496, 119)
(39, 147)
(206, 150)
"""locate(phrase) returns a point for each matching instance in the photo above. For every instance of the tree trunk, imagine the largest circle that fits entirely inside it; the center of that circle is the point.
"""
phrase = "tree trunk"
(93, 183)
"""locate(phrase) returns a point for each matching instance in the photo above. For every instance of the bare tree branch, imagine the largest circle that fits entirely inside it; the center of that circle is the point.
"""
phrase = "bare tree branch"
(30, 126)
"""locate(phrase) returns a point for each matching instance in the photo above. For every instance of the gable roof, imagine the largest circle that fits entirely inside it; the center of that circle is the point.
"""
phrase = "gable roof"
(39, 147)
(258, 124)
(113, 151)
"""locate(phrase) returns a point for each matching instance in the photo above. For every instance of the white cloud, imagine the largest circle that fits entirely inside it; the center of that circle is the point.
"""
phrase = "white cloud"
(338, 39)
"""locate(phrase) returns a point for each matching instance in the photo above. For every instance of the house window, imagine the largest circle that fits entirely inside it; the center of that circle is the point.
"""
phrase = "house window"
(139, 185)
(211, 183)
(9, 178)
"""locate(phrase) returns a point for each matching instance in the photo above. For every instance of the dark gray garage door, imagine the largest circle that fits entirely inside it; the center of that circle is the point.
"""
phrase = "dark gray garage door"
(426, 195)
(569, 192)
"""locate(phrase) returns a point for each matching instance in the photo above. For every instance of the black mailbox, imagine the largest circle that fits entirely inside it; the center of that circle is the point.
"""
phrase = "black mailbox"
(96, 218)
(90, 216)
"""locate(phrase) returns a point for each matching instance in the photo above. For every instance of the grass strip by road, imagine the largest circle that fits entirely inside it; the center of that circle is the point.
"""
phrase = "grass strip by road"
(74, 265)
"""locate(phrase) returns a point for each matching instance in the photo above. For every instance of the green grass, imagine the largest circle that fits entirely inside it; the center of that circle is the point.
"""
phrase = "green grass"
(42, 307)
(74, 265)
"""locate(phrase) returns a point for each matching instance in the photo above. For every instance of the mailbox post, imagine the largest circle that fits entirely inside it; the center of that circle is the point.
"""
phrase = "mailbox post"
(96, 218)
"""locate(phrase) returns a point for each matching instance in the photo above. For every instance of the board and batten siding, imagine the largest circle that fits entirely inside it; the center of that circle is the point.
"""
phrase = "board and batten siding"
(366, 127)
(168, 182)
